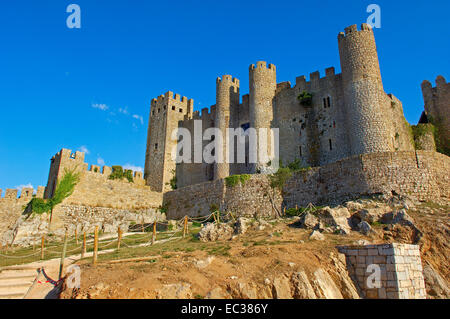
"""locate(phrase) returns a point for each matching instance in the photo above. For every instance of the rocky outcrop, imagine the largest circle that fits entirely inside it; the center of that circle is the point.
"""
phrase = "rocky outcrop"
(302, 286)
(329, 220)
(324, 286)
(281, 288)
(175, 291)
(213, 232)
(436, 286)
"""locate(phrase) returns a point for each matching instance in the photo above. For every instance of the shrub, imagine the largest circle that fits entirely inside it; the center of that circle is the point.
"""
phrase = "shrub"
(119, 173)
(305, 98)
(233, 180)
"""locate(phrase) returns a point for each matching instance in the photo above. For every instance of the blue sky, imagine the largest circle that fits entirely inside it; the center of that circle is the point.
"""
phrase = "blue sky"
(128, 52)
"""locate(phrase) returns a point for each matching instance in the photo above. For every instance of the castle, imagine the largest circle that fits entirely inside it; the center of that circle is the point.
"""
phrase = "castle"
(350, 114)
(351, 133)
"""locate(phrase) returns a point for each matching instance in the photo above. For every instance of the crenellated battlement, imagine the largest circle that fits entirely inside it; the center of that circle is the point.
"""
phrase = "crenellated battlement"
(314, 78)
(228, 79)
(353, 29)
(262, 65)
(169, 100)
(26, 194)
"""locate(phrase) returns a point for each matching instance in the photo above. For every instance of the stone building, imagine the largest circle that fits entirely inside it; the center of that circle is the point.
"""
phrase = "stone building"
(350, 114)
(437, 110)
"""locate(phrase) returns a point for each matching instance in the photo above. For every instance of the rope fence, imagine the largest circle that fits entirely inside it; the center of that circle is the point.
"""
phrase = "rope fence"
(147, 236)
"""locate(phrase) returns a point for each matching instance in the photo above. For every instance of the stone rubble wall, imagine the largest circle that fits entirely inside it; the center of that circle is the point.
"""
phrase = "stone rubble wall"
(421, 175)
(400, 267)
(244, 200)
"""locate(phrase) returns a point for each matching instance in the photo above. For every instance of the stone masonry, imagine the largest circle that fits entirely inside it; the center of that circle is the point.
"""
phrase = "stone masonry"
(421, 175)
(350, 114)
(400, 268)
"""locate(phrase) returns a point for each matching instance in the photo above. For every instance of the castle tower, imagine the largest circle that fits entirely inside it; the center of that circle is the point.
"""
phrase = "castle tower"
(263, 84)
(63, 161)
(227, 97)
(437, 109)
(363, 91)
(165, 113)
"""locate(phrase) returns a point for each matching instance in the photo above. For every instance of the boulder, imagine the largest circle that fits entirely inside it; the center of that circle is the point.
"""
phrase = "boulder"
(369, 215)
(241, 225)
(316, 235)
(308, 221)
(398, 217)
(174, 291)
(213, 232)
(337, 217)
(364, 228)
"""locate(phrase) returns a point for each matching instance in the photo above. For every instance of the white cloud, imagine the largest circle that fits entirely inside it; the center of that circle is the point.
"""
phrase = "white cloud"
(102, 107)
(133, 168)
(84, 149)
(123, 111)
(139, 117)
(100, 161)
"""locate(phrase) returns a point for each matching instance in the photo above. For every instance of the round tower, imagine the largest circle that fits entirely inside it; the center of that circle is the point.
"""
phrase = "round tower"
(263, 84)
(227, 96)
(363, 91)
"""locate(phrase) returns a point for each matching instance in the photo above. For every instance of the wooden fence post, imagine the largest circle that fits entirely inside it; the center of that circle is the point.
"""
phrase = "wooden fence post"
(154, 233)
(83, 247)
(94, 260)
(76, 235)
(63, 256)
(185, 226)
(42, 246)
(119, 237)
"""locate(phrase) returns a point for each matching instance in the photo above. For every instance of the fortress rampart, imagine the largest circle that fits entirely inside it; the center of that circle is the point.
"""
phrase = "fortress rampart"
(96, 189)
(422, 175)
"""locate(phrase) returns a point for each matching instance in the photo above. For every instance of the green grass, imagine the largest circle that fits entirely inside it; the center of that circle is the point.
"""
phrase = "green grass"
(19, 256)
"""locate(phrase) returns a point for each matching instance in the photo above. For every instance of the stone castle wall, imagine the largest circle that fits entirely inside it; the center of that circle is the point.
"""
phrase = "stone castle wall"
(400, 268)
(350, 114)
(422, 175)
(250, 199)
(94, 187)
(12, 206)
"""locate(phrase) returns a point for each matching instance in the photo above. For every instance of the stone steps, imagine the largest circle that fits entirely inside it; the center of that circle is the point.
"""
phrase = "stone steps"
(15, 282)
